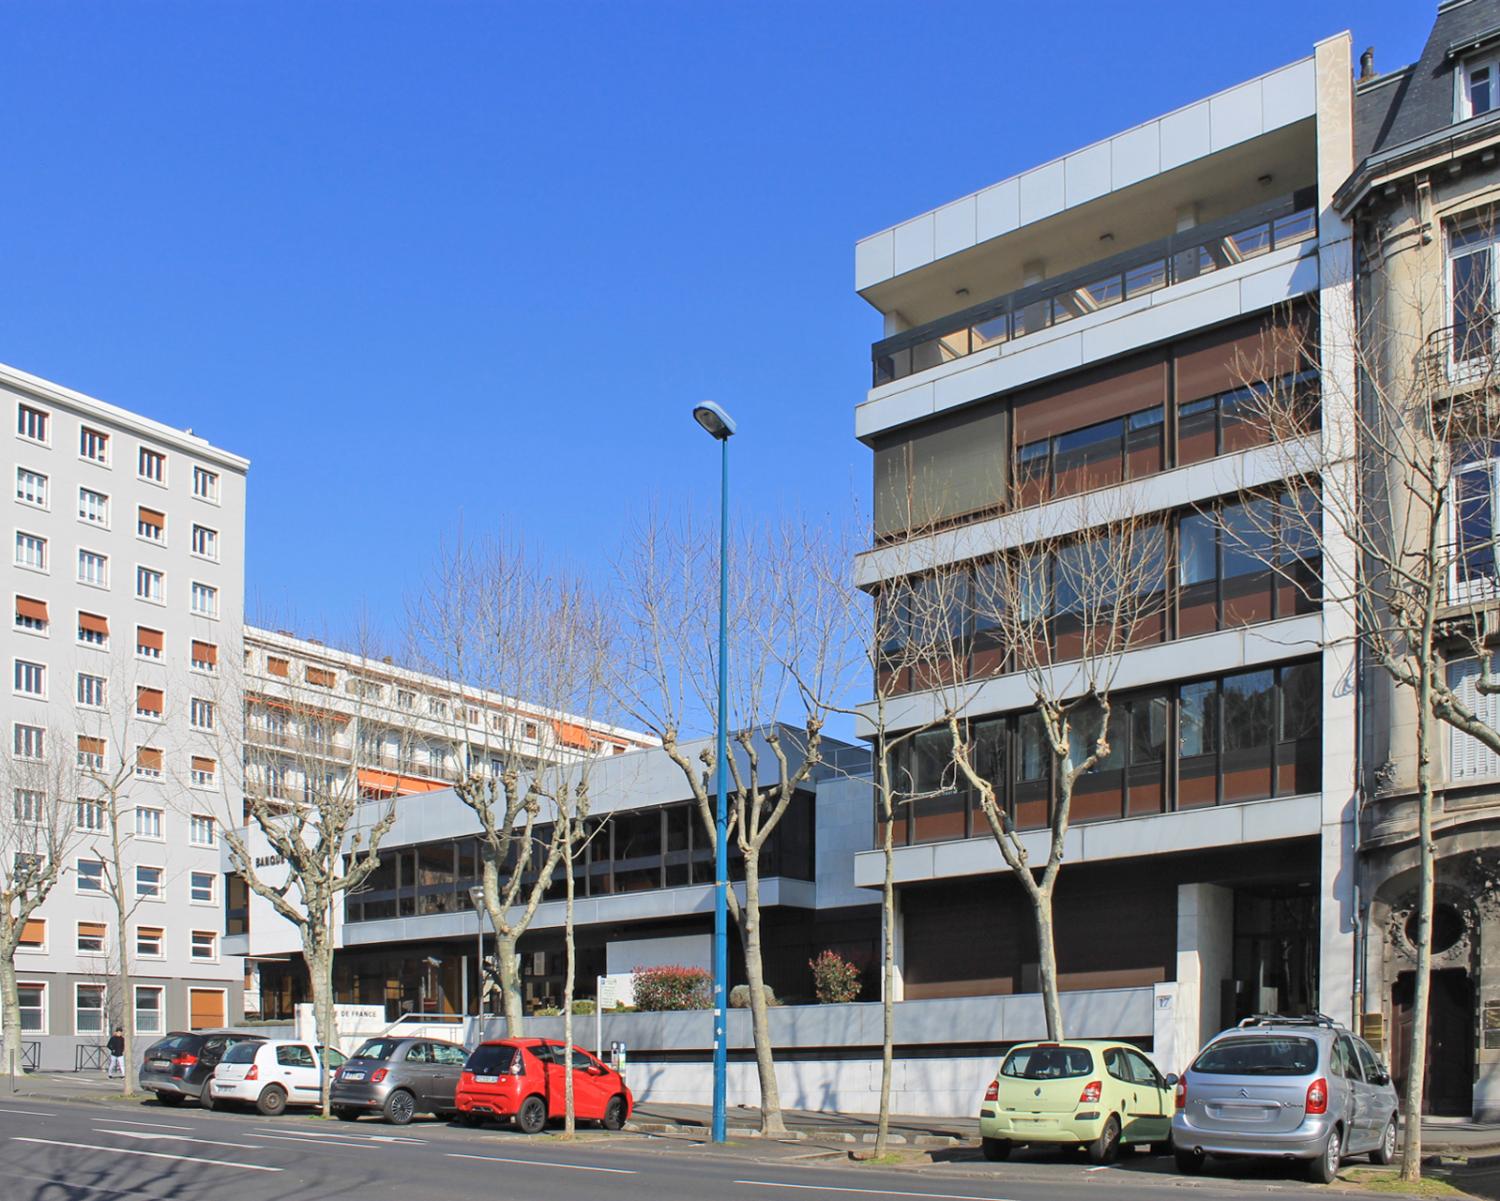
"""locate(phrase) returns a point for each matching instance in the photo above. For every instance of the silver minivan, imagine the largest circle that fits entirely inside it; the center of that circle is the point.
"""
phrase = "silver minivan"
(1289, 1088)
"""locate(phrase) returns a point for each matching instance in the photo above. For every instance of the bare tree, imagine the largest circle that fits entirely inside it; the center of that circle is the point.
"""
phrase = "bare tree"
(1397, 498)
(308, 834)
(495, 618)
(36, 834)
(785, 648)
(1060, 610)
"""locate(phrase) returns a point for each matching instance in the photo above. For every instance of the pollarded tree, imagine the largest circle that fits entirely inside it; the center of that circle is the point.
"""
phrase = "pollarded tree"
(495, 619)
(36, 834)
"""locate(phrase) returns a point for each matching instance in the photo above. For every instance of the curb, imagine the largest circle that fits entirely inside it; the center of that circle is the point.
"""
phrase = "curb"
(925, 1141)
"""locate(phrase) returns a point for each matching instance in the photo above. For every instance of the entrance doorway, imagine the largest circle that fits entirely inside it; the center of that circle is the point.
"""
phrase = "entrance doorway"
(1449, 1087)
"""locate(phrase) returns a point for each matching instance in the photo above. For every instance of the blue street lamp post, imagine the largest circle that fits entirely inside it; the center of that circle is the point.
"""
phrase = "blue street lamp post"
(720, 425)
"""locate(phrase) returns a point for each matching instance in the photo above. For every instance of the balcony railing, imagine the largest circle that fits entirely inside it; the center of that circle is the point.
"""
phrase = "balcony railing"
(1194, 252)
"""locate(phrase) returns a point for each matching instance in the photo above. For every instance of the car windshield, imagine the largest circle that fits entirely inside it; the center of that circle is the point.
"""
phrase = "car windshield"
(1263, 1055)
(1047, 1063)
(242, 1052)
(494, 1060)
(377, 1048)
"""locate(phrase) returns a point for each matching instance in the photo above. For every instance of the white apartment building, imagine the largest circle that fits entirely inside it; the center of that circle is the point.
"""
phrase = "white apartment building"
(1083, 327)
(125, 577)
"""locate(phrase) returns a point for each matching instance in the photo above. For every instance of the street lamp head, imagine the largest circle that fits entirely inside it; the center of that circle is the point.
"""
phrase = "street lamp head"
(714, 419)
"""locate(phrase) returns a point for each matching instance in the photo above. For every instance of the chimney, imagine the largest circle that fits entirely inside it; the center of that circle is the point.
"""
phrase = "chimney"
(1367, 63)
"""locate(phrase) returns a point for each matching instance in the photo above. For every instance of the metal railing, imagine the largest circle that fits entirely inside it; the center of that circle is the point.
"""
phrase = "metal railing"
(90, 1057)
(1183, 256)
(31, 1056)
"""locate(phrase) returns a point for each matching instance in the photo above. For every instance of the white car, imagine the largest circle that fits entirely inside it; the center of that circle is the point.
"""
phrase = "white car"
(271, 1075)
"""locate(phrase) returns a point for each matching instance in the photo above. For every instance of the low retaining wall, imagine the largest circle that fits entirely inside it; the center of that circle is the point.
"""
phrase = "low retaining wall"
(828, 1056)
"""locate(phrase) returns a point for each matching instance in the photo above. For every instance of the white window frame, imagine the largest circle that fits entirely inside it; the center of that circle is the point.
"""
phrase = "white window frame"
(1465, 369)
(1463, 103)
(23, 949)
(195, 828)
(40, 741)
(207, 592)
(149, 454)
(81, 640)
(103, 1011)
(29, 805)
(161, 883)
(45, 419)
(198, 709)
(31, 671)
(150, 654)
(85, 432)
(210, 541)
(78, 946)
(89, 683)
(149, 823)
(159, 1009)
(209, 492)
(213, 888)
(45, 566)
(41, 986)
(213, 946)
(161, 943)
(142, 528)
(28, 496)
(93, 556)
(21, 624)
(146, 575)
(78, 878)
(95, 820)
(87, 510)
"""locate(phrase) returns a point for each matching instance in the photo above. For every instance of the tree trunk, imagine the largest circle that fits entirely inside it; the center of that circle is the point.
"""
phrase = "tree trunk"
(320, 976)
(127, 992)
(1411, 1154)
(10, 1018)
(508, 964)
(760, 1021)
(887, 964)
(1046, 948)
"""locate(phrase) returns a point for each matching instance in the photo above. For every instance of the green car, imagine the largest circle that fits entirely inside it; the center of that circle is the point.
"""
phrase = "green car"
(1094, 1093)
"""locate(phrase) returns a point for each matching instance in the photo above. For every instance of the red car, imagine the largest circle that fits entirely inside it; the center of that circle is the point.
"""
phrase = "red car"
(521, 1079)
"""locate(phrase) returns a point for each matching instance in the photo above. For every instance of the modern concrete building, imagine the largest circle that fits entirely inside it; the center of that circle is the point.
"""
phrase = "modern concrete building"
(1423, 202)
(126, 583)
(410, 938)
(1082, 328)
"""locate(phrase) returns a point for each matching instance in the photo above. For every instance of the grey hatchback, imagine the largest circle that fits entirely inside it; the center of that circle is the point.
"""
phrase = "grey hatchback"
(1291, 1088)
(398, 1078)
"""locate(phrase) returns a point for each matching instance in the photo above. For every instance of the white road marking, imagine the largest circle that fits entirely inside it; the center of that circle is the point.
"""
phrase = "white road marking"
(542, 1163)
(175, 1138)
(868, 1192)
(152, 1125)
(320, 1144)
(36, 1113)
(217, 1163)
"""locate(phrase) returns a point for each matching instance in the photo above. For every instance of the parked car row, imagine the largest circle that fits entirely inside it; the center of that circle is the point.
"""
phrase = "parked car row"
(521, 1081)
(1271, 1087)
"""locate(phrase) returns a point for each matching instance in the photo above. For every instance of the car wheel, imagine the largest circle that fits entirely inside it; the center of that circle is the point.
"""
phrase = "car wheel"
(170, 1098)
(996, 1150)
(1106, 1148)
(1189, 1163)
(1386, 1152)
(1325, 1168)
(400, 1107)
(614, 1113)
(272, 1101)
(206, 1099)
(531, 1118)
(345, 1114)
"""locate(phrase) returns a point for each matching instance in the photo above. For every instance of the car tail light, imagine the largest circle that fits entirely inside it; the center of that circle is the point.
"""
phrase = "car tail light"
(1091, 1092)
(466, 1075)
(378, 1075)
(253, 1073)
(1317, 1096)
(184, 1061)
(1182, 1092)
(993, 1092)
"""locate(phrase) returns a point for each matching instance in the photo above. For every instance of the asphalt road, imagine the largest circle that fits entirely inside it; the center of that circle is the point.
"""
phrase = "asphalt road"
(59, 1151)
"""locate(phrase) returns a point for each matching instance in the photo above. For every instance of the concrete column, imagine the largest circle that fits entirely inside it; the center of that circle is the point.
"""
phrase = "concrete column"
(1337, 875)
(1205, 959)
(895, 324)
(898, 975)
(1187, 216)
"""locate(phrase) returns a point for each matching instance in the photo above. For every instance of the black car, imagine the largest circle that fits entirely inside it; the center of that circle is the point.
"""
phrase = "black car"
(176, 1068)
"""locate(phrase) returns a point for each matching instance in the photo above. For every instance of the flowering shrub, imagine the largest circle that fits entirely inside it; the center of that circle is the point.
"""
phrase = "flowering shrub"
(835, 979)
(671, 986)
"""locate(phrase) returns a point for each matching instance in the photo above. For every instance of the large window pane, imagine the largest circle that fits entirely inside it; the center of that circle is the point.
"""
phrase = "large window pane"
(1249, 714)
(1473, 314)
(958, 466)
(1197, 549)
(1475, 523)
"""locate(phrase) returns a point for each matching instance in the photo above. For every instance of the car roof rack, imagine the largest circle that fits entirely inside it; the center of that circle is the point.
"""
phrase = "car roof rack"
(1305, 1019)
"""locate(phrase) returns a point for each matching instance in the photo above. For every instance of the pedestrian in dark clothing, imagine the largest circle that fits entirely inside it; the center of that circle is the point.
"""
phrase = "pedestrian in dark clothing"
(116, 1046)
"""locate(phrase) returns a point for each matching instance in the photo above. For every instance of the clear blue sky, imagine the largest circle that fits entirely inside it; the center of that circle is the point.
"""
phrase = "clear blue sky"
(434, 262)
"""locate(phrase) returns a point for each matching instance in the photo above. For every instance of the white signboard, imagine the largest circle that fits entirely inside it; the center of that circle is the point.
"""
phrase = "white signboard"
(618, 989)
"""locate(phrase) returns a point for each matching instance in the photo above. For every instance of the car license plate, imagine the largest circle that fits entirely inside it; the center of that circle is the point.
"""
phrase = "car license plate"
(348, 1075)
(161, 1064)
(486, 1079)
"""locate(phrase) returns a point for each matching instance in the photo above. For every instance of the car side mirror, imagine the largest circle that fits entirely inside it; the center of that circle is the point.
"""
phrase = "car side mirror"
(1171, 1079)
(1382, 1077)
